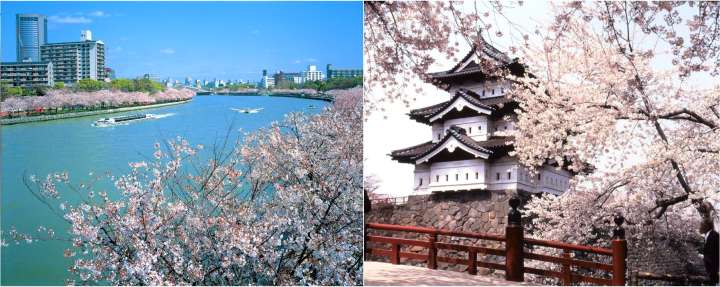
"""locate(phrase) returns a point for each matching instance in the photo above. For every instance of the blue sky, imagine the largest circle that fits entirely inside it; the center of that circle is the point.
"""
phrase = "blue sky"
(227, 40)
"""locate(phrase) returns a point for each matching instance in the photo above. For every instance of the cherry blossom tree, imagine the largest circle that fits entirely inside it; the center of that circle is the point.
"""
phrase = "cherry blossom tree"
(66, 98)
(605, 94)
(281, 206)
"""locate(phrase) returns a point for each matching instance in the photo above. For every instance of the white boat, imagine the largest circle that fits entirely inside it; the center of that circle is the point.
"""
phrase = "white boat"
(247, 110)
(122, 119)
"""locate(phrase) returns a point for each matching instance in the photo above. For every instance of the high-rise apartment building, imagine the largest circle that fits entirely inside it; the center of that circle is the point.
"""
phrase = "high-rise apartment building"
(342, 73)
(73, 61)
(27, 74)
(30, 33)
(313, 74)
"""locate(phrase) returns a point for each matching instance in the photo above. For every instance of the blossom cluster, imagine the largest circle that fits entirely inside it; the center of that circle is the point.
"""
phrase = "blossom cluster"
(113, 98)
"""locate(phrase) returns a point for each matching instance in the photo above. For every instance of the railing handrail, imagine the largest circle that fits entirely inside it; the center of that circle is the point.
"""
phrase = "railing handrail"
(475, 235)
(569, 246)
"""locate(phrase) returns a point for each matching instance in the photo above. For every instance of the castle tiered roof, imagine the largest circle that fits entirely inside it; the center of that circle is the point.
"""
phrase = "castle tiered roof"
(428, 115)
(493, 147)
(477, 64)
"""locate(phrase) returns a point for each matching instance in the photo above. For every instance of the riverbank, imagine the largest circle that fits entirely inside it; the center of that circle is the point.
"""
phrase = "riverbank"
(283, 93)
(19, 120)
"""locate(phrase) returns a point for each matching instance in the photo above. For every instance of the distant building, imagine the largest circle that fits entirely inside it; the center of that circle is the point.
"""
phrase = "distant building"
(30, 33)
(188, 81)
(282, 79)
(85, 35)
(266, 81)
(74, 61)
(153, 77)
(27, 74)
(313, 74)
(342, 73)
(299, 79)
(109, 73)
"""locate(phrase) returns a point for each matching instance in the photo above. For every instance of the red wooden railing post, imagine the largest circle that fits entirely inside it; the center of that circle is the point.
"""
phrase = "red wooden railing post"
(472, 261)
(619, 249)
(566, 271)
(365, 243)
(432, 252)
(514, 244)
(395, 259)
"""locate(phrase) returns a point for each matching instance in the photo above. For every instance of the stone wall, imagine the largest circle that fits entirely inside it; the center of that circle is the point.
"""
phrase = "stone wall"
(482, 211)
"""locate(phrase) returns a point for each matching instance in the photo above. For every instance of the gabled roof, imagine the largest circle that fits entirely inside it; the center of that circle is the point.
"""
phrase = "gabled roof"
(427, 114)
(490, 57)
(418, 152)
(488, 52)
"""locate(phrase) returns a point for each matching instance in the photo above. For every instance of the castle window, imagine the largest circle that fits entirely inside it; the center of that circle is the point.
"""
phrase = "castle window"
(446, 178)
(437, 178)
(477, 175)
(493, 91)
(483, 93)
(509, 175)
(456, 177)
(539, 177)
(467, 176)
(421, 182)
(497, 176)
(479, 128)
(470, 130)
(502, 90)
(439, 136)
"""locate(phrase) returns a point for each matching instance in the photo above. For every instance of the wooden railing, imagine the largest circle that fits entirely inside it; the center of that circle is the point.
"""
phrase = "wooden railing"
(514, 251)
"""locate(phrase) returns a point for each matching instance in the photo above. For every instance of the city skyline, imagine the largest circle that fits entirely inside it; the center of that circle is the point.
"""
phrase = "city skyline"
(289, 41)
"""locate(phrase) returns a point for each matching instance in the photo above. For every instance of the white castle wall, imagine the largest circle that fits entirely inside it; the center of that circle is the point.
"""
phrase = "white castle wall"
(475, 127)
(485, 90)
(503, 174)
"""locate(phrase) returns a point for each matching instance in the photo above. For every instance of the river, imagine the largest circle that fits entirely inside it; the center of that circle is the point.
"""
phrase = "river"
(75, 146)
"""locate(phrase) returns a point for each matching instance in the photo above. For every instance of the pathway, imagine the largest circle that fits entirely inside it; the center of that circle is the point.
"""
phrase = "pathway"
(379, 273)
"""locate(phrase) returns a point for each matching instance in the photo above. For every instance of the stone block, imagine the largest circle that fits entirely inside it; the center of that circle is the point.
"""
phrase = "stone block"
(472, 212)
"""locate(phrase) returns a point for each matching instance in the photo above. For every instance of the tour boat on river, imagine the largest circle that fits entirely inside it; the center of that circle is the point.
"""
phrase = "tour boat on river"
(122, 119)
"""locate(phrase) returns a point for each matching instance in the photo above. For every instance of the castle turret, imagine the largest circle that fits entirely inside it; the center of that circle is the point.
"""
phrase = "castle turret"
(470, 148)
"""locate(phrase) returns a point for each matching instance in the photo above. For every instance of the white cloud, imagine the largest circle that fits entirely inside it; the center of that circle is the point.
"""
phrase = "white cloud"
(98, 14)
(255, 32)
(310, 60)
(297, 61)
(69, 19)
(168, 51)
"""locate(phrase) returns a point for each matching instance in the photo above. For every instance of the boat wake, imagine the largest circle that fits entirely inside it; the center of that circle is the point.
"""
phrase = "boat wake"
(161, 116)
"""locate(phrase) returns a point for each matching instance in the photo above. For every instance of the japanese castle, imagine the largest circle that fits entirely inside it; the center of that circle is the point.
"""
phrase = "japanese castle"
(469, 147)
